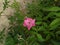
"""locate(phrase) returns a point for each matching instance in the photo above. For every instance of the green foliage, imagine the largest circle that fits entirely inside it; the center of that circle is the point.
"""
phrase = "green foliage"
(55, 23)
(47, 29)
(5, 4)
(2, 35)
(51, 9)
(47, 16)
(39, 38)
(9, 41)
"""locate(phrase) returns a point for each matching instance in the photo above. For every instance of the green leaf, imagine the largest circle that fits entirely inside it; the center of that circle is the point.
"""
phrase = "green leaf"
(57, 14)
(41, 28)
(9, 41)
(15, 5)
(51, 14)
(54, 24)
(39, 37)
(31, 38)
(48, 37)
(21, 42)
(5, 4)
(38, 23)
(51, 9)
(36, 43)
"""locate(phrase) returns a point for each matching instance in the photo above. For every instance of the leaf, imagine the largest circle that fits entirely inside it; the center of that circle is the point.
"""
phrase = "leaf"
(21, 42)
(51, 14)
(38, 23)
(57, 14)
(54, 24)
(41, 28)
(51, 9)
(39, 37)
(9, 41)
(36, 43)
(48, 37)
(5, 4)
(15, 5)
(31, 38)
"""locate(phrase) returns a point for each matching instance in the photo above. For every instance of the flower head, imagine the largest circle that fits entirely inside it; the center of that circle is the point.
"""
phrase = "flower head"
(29, 23)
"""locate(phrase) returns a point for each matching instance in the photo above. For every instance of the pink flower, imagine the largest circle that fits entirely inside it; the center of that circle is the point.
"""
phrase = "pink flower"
(29, 23)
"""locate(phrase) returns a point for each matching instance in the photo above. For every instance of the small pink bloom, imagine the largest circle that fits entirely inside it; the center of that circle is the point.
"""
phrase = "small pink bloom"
(29, 23)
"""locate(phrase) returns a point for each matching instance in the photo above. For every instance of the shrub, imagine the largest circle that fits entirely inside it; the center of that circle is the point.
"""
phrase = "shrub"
(47, 29)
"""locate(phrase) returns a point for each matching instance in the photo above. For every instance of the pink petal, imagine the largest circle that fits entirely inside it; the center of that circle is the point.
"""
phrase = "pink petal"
(24, 24)
(29, 27)
(33, 22)
(29, 22)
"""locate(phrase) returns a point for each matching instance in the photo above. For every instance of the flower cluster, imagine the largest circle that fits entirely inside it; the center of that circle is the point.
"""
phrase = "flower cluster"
(29, 23)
